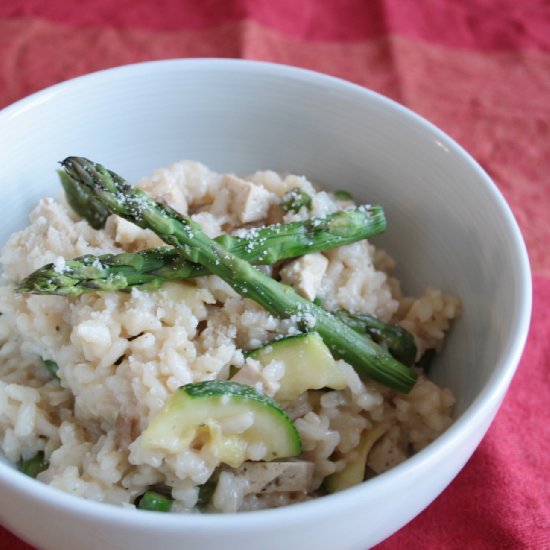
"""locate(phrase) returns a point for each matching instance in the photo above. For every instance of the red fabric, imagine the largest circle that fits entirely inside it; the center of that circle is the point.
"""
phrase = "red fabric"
(481, 24)
(480, 69)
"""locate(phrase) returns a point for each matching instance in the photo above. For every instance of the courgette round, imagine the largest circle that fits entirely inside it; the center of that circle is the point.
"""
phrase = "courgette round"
(197, 415)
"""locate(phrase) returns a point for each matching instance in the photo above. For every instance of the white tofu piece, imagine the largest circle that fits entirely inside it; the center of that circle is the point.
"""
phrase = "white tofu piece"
(126, 232)
(209, 223)
(305, 274)
(168, 191)
(278, 477)
(247, 202)
(386, 453)
(130, 234)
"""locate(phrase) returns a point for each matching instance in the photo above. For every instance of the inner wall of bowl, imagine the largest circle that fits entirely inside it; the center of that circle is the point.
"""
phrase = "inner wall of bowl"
(445, 228)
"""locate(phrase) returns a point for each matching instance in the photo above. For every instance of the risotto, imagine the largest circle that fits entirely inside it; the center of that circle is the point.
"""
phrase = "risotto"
(85, 379)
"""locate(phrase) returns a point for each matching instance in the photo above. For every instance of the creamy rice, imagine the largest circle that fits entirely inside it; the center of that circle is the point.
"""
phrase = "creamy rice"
(122, 354)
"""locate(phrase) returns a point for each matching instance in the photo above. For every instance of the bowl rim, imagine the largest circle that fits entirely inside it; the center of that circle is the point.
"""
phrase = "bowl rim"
(482, 407)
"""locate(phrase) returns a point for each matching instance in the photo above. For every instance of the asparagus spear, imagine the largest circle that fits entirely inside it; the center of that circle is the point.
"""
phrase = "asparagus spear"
(83, 203)
(398, 341)
(153, 267)
(367, 357)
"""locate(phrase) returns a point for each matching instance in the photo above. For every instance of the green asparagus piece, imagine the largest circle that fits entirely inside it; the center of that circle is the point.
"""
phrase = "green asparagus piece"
(367, 357)
(342, 195)
(84, 204)
(207, 490)
(52, 367)
(398, 341)
(154, 502)
(426, 360)
(151, 268)
(294, 199)
(33, 466)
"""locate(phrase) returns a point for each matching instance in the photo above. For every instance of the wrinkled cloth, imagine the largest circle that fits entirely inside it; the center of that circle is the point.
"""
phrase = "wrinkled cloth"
(479, 69)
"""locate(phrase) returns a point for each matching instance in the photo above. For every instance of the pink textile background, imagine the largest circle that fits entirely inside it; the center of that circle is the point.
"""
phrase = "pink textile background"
(479, 69)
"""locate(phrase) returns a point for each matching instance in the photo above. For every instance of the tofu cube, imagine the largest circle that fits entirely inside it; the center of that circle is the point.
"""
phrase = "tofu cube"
(305, 274)
(248, 202)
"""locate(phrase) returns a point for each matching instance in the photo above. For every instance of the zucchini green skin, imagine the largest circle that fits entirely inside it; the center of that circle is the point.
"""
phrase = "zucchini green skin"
(196, 406)
(256, 352)
(221, 388)
(309, 364)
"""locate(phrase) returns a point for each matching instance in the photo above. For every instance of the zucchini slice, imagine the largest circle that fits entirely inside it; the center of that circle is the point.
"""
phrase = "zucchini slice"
(207, 413)
(354, 472)
(308, 362)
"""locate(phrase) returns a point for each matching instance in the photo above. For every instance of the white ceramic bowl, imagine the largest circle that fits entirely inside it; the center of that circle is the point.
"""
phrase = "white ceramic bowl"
(449, 227)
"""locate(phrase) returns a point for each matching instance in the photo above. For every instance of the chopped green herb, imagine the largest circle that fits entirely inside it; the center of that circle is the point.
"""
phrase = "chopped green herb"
(52, 366)
(294, 199)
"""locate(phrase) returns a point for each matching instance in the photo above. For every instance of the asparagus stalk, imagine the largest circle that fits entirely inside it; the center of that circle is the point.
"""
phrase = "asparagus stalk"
(367, 357)
(83, 203)
(151, 268)
(398, 341)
